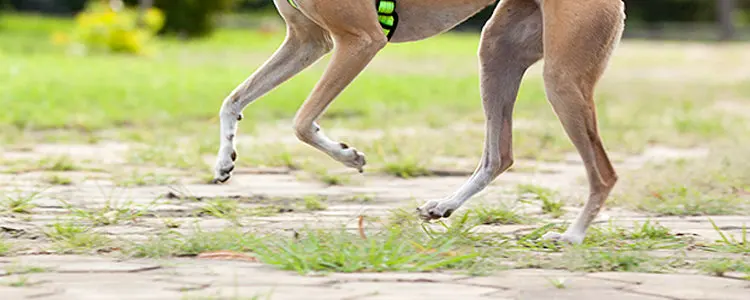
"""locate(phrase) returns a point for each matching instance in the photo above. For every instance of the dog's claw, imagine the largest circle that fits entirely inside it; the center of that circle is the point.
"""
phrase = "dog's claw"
(434, 210)
(219, 180)
(224, 166)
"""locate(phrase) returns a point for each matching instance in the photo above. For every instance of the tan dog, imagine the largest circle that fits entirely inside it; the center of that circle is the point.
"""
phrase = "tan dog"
(575, 38)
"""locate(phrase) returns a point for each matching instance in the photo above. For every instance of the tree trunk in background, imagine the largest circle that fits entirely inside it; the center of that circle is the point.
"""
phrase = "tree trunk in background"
(725, 11)
(143, 7)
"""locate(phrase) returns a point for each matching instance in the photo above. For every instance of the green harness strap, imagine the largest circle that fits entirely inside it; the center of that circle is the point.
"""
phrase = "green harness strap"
(387, 15)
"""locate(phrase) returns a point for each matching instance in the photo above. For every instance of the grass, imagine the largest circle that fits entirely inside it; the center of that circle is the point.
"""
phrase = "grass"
(171, 223)
(312, 250)
(61, 163)
(69, 237)
(314, 203)
(696, 187)
(20, 281)
(222, 208)
(58, 180)
(646, 236)
(172, 243)
(720, 267)
(550, 205)
(585, 260)
(24, 269)
(5, 247)
(111, 213)
(19, 204)
(333, 179)
(729, 243)
(406, 168)
(403, 246)
(558, 283)
(499, 215)
(341, 251)
(360, 198)
(266, 211)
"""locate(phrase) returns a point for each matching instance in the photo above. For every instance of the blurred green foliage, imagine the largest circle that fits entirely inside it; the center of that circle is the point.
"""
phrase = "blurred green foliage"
(189, 18)
(99, 28)
(195, 18)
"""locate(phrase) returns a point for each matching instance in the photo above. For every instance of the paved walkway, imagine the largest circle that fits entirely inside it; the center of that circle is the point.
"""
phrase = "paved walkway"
(33, 275)
(100, 278)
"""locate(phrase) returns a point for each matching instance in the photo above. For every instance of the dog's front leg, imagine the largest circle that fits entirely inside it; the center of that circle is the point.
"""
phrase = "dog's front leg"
(351, 55)
(304, 44)
(511, 43)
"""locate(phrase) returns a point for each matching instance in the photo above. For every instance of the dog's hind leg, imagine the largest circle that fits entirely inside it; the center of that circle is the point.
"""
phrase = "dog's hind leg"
(305, 43)
(579, 38)
(357, 37)
(511, 42)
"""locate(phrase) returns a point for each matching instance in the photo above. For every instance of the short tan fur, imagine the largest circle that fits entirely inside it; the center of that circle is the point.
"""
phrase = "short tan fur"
(574, 37)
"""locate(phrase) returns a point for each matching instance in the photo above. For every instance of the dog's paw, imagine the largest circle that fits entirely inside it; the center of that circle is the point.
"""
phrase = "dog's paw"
(224, 166)
(434, 210)
(565, 238)
(351, 157)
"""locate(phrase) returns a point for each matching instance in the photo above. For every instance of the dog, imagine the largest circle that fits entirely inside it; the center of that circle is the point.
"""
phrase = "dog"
(576, 39)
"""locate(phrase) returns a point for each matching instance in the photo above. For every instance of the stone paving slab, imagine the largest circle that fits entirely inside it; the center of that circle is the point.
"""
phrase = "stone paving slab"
(96, 278)
(71, 277)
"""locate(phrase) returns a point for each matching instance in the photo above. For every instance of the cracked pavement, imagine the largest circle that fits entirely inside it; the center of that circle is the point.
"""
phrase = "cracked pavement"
(50, 276)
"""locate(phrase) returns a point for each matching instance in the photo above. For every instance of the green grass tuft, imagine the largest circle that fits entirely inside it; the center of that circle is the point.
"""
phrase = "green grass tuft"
(407, 168)
(58, 164)
(111, 213)
(222, 208)
(314, 203)
(549, 204)
(58, 180)
(69, 237)
(20, 204)
(5, 247)
(729, 243)
(499, 215)
(719, 267)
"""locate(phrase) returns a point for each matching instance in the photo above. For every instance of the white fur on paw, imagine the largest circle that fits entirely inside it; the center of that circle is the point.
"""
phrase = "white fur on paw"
(352, 158)
(224, 165)
(434, 210)
(565, 238)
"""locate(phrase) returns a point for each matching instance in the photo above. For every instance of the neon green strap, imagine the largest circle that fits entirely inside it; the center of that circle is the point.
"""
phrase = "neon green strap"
(387, 16)
(293, 4)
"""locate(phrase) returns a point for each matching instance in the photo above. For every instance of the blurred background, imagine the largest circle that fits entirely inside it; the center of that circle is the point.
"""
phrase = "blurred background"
(681, 19)
(152, 74)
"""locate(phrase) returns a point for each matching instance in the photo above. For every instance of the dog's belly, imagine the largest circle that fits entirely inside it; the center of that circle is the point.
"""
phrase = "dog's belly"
(420, 19)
